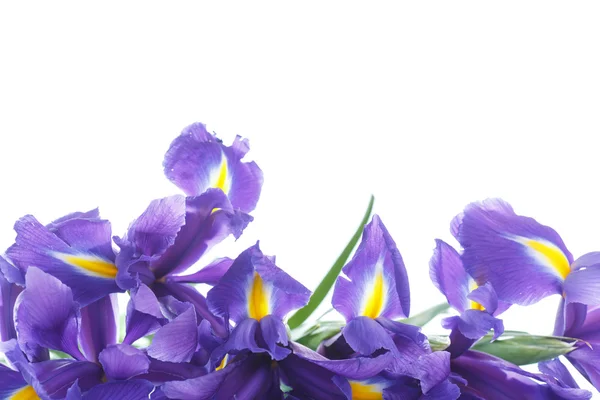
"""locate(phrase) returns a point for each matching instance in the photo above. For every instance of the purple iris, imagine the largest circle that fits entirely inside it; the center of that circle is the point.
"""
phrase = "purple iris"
(478, 305)
(257, 356)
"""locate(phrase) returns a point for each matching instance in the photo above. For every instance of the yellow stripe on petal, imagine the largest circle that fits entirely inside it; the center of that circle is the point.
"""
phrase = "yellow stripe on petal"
(258, 299)
(551, 254)
(220, 177)
(374, 304)
(27, 393)
(361, 391)
(93, 265)
(475, 305)
(223, 363)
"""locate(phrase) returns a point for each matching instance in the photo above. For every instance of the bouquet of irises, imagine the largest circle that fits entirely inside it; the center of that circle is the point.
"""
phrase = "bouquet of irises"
(244, 329)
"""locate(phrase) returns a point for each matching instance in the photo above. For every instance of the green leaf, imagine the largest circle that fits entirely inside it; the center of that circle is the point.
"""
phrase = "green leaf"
(521, 348)
(424, 317)
(319, 332)
(321, 291)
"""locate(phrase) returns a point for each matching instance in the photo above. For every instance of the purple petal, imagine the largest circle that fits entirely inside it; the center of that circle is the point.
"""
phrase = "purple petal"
(587, 362)
(378, 285)
(310, 380)
(98, 326)
(197, 161)
(144, 316)
(570, 319)
(211, 274)
(92, 214)
(583, 286)
(47, 315)
(275, 335)
(255, 287)
(122, 361)
(522, 259)
(53, 378)
(366, 336)
(433, 369)
(155, 230)
(209, 219)
(449, 276)
(557, 369)
(11, 273)
(587, 329)
(358, 368)
(8, 297)
(86, 266)
(474, 324)
(12, 384)
(485, 295)
(243, 337)
(177, 340)
(136, 389)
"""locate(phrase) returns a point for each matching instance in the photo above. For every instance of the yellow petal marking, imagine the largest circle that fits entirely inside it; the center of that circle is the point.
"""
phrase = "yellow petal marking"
(552, 255)
(27, 393)
(223, 363)
(222, 176)
(361, 391)
(96, 265)
(374, 303)
(258, 299)
(475, 305)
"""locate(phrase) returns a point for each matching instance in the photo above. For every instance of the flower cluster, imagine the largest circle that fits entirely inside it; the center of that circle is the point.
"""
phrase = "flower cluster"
(62, 337)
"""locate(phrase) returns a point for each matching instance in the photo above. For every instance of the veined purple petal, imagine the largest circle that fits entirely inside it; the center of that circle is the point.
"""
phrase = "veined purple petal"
(11, 273)
(570, 319)
(54, 377)
(8, 297)
(162, 371)
(475, 324)
(47, 315)
(378, 285)
(433, 369)
(98, 326)
(211, 274)
(583, 286)
(274, 334)
(449, 276)
(92, 214)
(522, 259)
(82, 260)
(587, 329)
(357, 368)
(122, 361)
(255, 287)
(197, 161)
(557, 369)
(144, 316)
(13, 385)
(135, 389)
(366, 336)
(177, 340)
(587, 362)
(485, 299)
(209, 219)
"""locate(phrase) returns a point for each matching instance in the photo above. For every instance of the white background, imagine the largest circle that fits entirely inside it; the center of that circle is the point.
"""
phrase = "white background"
(427, 105)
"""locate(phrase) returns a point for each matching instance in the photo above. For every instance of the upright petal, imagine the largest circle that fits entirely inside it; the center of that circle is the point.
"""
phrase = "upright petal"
(47, 315)
(197, 161)
(122, 361)
(255, 287)
(144, 316)
(449, 276)
(98, 326)
(209, 219)
(522, 259)
(177, 340)
(77, 252)
(378, 285)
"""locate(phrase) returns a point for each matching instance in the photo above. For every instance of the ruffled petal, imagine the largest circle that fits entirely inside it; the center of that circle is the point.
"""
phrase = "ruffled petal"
(522, 259)
(47, 315)
(197, 161)
(378, 285)
(449, 276)
(255, 287)
(122, 361)
(83, 260)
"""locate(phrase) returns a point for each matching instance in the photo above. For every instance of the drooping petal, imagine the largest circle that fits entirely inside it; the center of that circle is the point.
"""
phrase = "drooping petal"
(255, 287)
(358, 368)
(122, 361)
(583, 286)
(209, 218)
(83, 260)
(47, 315)
(522, 259)
(309, 380)
(54, 377)
(211, 274)
(135, 389)
(197, 161)
(275, 336)
(98, 326)
(378, 285)
(449, 276)
(177, 340)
